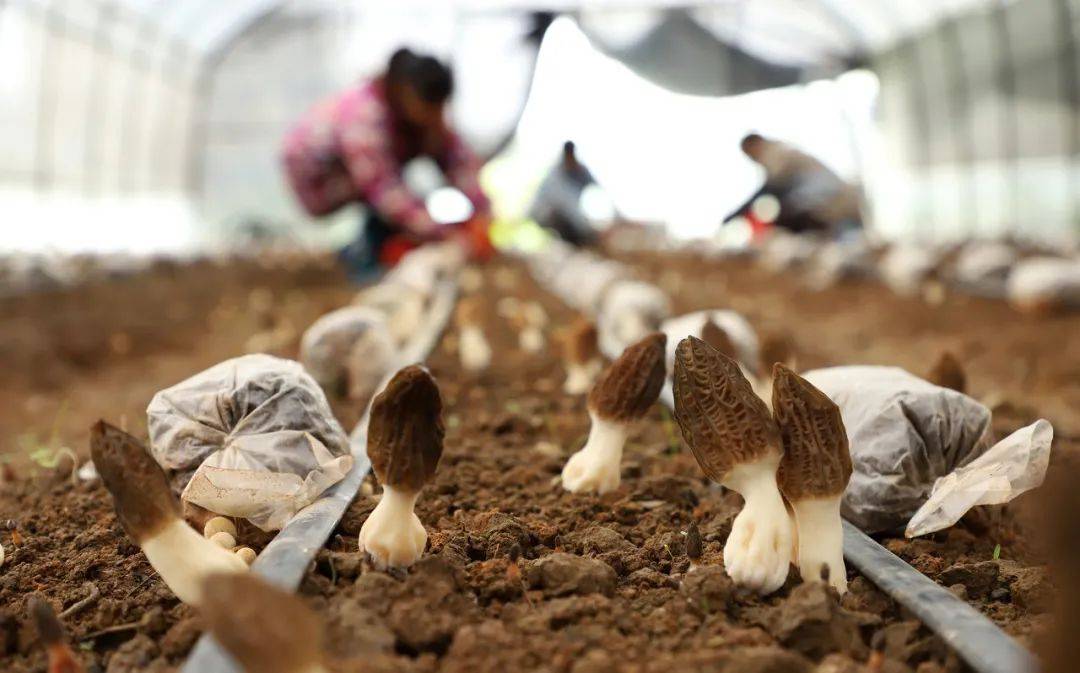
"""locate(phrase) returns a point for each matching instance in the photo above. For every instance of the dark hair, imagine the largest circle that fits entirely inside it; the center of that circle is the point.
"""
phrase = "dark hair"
(750, 139)
(569, 147)
(430, 79)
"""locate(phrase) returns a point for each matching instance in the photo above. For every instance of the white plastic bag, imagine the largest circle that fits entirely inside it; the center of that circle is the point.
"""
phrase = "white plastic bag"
(327, 344)
(258, 434)
(742, 335)
(783, 251)
(1015, 465)
(905, 433)
(629, 311)
(1045, 282)
(985, 263)
(905, 266)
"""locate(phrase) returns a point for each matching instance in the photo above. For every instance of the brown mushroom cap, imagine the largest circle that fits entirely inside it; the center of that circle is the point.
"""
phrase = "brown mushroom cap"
(265, 628)
(715, 336)
(816, 462)
(48, 625)
(628, 387)
(140, 490)
(470, 312)
(947, 372)
(776, 348)
(722, 420)
(579, 344)
(405, 433)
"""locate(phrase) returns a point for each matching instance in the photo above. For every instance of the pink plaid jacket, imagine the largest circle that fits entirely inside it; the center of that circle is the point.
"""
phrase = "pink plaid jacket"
(345, 149)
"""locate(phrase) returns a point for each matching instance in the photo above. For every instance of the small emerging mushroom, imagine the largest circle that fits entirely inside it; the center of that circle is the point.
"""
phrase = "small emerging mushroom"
(405, 442)
(813, 473)
(581, 356)
(622, 395)
(473, 346)
(947, 372)
(529, 321)
(51, 631)
(150, 515)
(736, 442)
(265, 629)
(693, 544)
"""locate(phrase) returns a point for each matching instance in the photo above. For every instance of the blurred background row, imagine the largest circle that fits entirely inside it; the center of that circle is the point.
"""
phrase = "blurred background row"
(157, 125)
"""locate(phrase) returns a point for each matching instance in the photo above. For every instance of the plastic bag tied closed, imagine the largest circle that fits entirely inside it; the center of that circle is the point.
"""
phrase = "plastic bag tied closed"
(922, 454)
(252, 437)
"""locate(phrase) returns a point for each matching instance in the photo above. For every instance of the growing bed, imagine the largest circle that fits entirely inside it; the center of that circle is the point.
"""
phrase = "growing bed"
(599, 584)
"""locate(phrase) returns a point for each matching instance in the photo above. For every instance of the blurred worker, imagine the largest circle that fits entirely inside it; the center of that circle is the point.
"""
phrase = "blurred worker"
(353, 147)
(811, 197)
(557, 205)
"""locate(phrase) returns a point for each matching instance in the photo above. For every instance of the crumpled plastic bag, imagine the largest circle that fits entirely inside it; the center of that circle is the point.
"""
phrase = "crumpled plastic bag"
(906, 266)
(985, 263)
(1015, 465)
(840, 260)
(1045, 283)
(255, 434)
(905, 433)
(402, 306)
(629, 311)
(742, 335)
(784, 251)
(326, 347)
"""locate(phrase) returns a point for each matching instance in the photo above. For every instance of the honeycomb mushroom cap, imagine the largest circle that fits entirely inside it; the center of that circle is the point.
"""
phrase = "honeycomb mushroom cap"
(817, 461)
(724, 423)
(947, 372)
(144, 503)
(579, 342)
(630, 385)
(48, 625)
(715, 336)
(405, 432)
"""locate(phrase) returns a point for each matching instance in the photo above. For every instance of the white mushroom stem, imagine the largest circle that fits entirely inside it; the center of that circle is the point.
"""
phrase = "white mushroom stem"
(474, 348)
(758, 551)
(821, 540)
(595, 468)
(531, 339)
(580, 376)
(393, 535)
(184, 559)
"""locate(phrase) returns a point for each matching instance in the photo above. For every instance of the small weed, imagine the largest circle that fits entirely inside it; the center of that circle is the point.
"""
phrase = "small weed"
(997, 551)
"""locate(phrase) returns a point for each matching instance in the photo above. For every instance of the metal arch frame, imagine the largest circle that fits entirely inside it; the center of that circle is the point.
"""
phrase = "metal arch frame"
(52, 20)
(202, 93)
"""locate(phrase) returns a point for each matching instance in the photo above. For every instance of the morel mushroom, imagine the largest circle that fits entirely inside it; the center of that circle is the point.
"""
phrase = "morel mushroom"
(150, 514)
(947, 372)
(51, 631)
(581, 356)
(473, 346)
(529, 320)
(622, 395)
(405, 442)
(737, 443)
(265, 629)
(813, 474)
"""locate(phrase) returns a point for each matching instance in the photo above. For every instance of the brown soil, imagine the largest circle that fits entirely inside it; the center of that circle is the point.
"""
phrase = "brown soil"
(602, 583)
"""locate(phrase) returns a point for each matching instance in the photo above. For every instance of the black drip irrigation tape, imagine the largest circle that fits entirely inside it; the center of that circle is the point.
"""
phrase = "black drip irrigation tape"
(285, 560)
(978, 641)
(985, 647)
